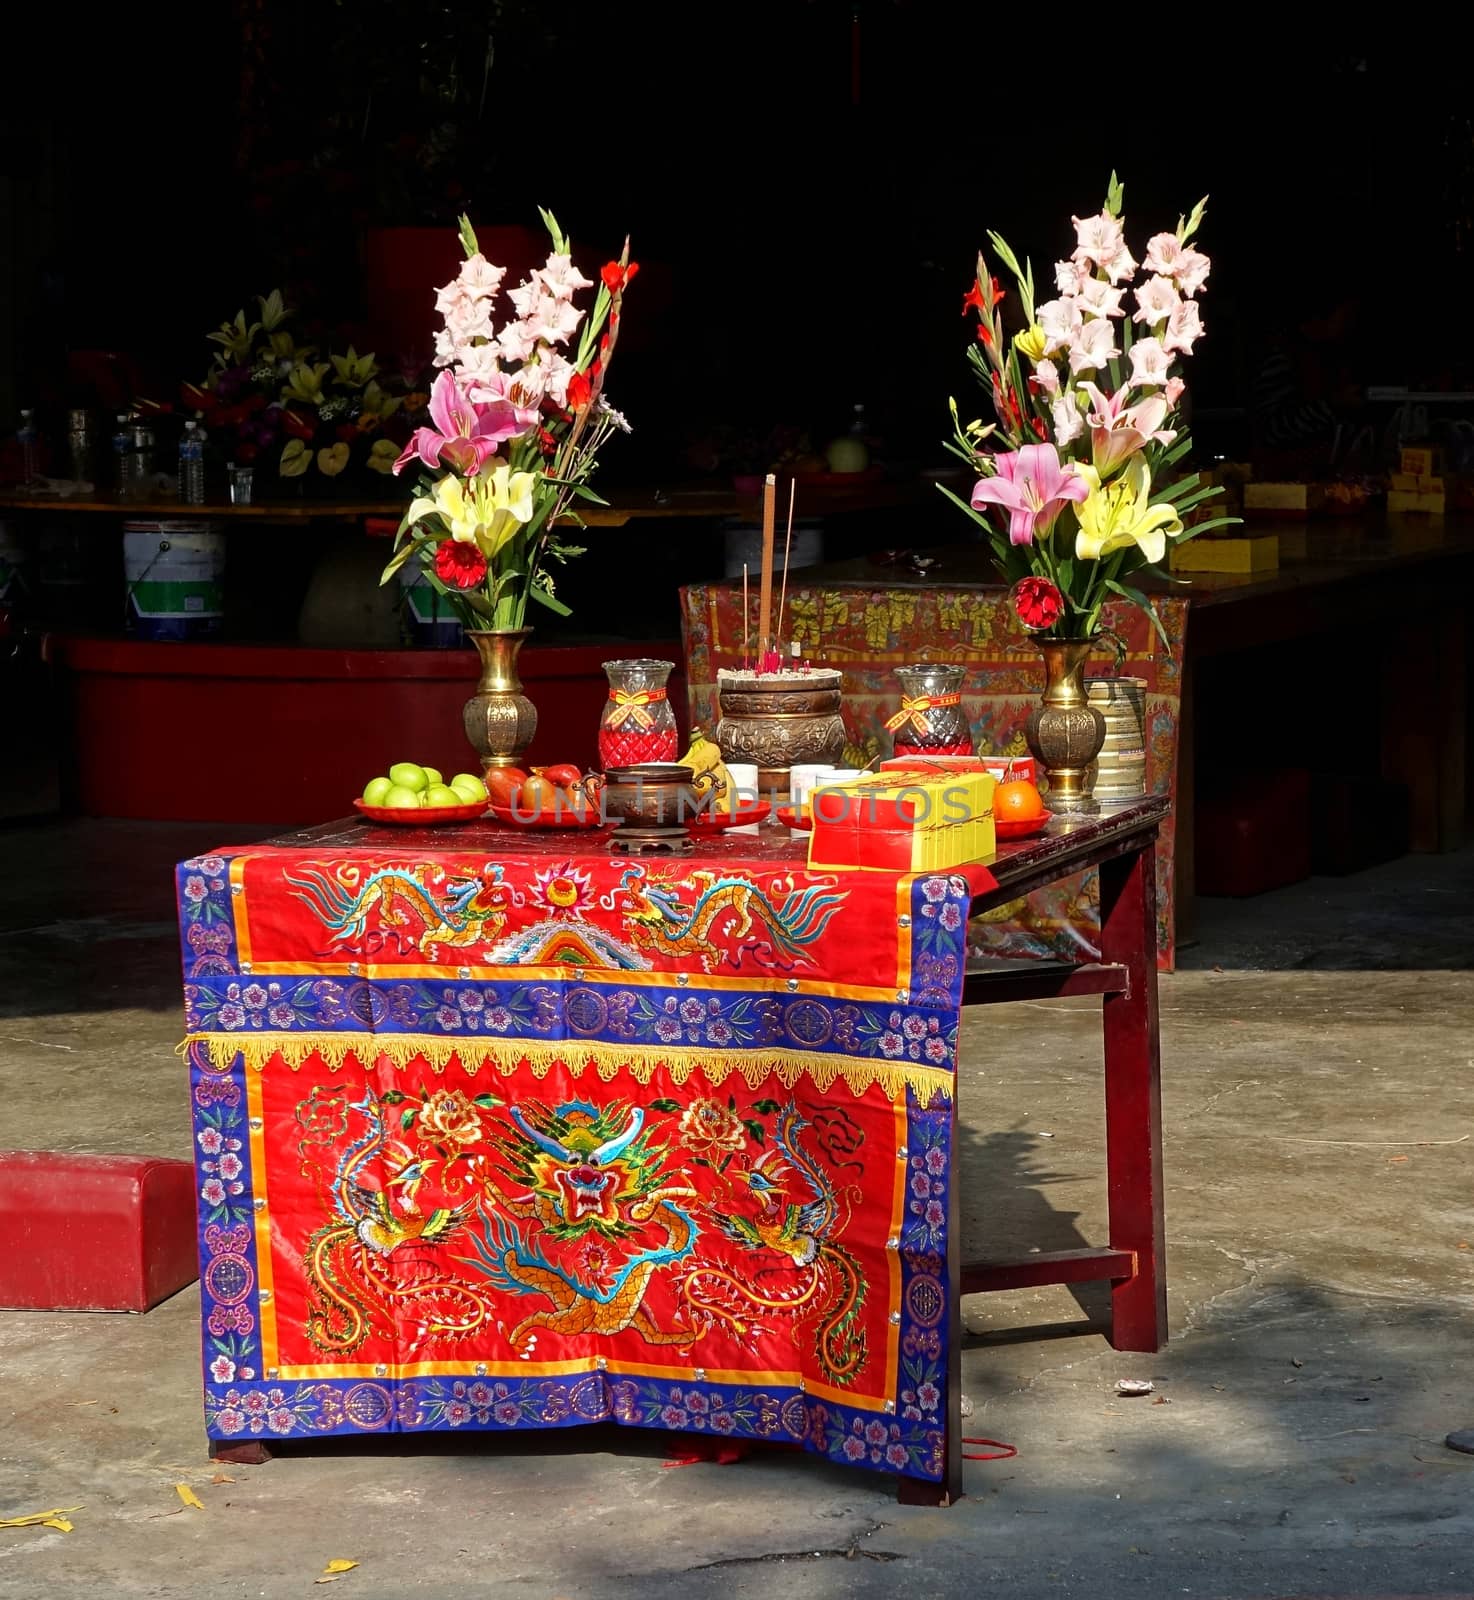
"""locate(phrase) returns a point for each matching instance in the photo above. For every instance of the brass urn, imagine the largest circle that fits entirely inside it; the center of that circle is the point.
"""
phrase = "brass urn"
(1065, 732)
(777, 720)
(500, 720)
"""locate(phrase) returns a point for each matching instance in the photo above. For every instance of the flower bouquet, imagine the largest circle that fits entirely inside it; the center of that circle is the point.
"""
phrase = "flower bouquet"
(1078, 488)
(268, 398)
(516, 429)
(518, 418)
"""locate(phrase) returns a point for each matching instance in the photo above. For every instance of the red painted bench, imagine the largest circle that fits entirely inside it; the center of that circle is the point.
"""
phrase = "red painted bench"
(94, 1233)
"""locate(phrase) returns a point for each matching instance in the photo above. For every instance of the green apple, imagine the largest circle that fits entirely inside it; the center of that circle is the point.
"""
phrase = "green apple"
(401, 797)
(433, 774)
(375, 790)
(440, 794)
(406, 775)
(468, 785)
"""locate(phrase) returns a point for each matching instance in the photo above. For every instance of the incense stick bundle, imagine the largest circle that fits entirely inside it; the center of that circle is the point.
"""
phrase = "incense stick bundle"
(787, 546)
(746, 620)
(765, 579)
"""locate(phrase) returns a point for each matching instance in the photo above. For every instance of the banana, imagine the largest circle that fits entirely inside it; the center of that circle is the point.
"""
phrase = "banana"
(704, 756)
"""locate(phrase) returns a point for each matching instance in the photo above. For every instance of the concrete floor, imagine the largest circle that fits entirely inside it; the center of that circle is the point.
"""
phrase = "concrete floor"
(1319, 1113)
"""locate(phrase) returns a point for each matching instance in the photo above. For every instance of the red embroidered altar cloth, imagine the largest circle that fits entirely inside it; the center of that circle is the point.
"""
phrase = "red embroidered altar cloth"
(517, 1133)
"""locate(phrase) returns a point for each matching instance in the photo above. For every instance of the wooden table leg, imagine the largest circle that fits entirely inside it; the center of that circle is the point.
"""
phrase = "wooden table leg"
(246, 1453)
(918, 1491)
(1133, 1090)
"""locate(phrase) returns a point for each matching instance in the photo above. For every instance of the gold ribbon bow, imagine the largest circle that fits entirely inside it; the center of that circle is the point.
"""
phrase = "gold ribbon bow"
(913, 710)
(631, 707)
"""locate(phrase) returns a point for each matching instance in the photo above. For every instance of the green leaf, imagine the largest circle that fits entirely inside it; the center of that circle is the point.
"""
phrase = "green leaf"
(1137, 598)
(754, 1131)
(392, 1097)
(767, 1107)
(407, 1118)
(1115, 195)
(487, 1100)
(665, 1105)
(469, 241)
(1204, 527)
(976, 516)
(1186, 229)
(550, 601)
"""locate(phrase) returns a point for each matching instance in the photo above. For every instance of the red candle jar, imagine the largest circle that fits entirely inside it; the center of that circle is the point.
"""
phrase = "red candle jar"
(638, 724)
(931, 721)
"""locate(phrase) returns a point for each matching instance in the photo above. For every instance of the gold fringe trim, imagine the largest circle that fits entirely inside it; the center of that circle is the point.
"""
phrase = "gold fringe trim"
(642, 1061)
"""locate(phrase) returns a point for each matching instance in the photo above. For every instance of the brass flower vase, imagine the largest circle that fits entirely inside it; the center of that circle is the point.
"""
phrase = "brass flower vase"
(500, 720)
(1065, 732)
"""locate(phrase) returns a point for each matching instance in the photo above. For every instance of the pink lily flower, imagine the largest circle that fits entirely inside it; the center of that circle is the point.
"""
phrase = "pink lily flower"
(1032, 485)
(1118, 431)
(465, 434)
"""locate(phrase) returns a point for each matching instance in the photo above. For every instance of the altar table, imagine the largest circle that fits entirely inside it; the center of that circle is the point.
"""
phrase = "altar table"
(500, 1130)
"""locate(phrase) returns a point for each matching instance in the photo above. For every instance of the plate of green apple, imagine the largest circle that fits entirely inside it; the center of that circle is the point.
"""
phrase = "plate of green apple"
(412, 796)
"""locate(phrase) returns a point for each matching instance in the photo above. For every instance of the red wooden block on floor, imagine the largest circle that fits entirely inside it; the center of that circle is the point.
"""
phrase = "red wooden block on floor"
(94, 1233)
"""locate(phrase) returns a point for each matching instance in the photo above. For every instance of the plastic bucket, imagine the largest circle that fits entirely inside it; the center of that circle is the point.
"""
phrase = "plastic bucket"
(429, 623)
(175, 575)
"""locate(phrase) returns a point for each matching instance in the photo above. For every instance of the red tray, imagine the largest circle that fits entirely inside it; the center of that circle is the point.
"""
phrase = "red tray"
(717, 821)
(792, 817)
(564, 817)
(421, 816)
(1021, 827)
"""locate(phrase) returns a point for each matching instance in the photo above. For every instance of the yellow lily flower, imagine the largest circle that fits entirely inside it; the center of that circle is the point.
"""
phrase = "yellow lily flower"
(486, 511)
(283, 346)
(273, 309)
(1032, 342)
(295, 459)
(1119, 513)
(235, 337)
(305, 383)
(354, 370)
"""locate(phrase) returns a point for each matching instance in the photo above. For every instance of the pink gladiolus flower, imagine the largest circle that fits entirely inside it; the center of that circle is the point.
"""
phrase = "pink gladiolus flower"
(1100, 241)
(1183, 326)
(1118, 431)
(1149, 363)
(1162, 251)
(1097, 298)
(1067, 278)
(1060, 320)
(511, 397)
(560, 277)
(1093, 345)
(1068, 423)
(1156, 300)
(1192, 271)
(1032, 486)
(1173, 390)
(480, 277)
(1047, 375)
(465, 434)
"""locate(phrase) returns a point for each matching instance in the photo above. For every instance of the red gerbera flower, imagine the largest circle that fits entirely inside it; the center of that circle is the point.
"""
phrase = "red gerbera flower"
(1038, 603)
(459, 565)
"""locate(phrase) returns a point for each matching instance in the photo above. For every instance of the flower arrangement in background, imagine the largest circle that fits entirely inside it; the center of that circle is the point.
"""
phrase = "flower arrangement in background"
(269, 398)
(517, 420)
(1076, 489)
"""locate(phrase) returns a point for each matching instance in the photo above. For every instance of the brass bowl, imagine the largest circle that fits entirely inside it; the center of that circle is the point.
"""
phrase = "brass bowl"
(779, 720)
(653, 794)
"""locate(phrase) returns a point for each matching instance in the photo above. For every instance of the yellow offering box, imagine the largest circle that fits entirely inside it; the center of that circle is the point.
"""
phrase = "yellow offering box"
(912, 822)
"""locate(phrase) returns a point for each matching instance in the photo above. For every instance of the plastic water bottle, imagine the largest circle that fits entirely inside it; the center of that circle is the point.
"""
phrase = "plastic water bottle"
(30, 456)
(122, 456)
(192, 466)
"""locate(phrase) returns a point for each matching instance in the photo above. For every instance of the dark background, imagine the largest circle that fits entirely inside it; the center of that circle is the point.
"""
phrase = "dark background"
(806, 183)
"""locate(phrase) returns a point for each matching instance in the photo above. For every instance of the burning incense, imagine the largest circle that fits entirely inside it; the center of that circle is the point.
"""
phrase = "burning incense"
(746, 620)
(787, 546)
(765, 579)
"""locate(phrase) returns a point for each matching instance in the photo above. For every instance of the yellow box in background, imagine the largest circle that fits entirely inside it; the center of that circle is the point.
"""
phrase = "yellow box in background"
(1256, 552)
(1421, 460)
(1285, 499)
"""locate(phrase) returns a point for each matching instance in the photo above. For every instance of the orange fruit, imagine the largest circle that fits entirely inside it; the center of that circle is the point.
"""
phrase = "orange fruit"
(1017, 801)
